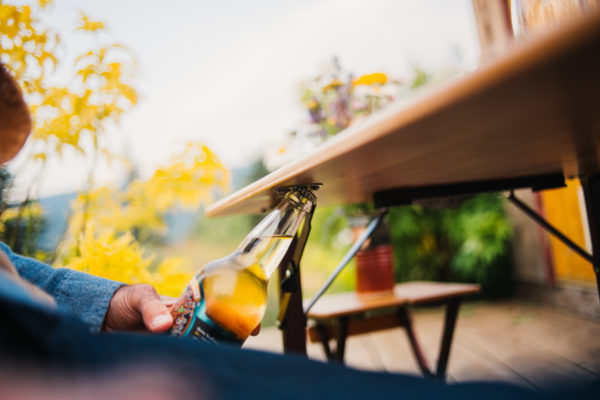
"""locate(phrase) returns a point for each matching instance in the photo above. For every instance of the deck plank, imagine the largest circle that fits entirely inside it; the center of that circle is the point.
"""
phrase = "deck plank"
(568, 339)
(508, 341)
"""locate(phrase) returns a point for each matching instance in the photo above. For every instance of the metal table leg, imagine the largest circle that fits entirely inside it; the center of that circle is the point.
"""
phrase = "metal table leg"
(449, 325)
(406, 321)
(452, 307)
(591, 190)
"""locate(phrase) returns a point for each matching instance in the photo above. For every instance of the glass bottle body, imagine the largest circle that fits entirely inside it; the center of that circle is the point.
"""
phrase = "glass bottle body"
(227, 298)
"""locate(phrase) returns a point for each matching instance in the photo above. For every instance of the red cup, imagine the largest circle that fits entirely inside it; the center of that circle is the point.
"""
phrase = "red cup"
(375, 270)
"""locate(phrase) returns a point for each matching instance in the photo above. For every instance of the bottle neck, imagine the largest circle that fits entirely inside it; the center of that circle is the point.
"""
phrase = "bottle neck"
(265, 246)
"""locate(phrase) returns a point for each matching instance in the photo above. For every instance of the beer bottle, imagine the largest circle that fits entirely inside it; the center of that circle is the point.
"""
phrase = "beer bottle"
(226, 300)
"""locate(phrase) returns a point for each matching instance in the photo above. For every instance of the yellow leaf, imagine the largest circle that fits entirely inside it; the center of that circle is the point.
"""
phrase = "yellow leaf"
(44, 3)
(86, 24)
(40, 156)
(84, 55)
(332, 85)
(86, 72)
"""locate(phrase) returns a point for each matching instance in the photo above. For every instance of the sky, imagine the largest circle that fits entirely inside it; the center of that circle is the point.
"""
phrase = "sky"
(227, 73)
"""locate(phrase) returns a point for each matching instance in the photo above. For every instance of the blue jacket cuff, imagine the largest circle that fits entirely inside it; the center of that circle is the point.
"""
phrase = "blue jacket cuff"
(84, 295)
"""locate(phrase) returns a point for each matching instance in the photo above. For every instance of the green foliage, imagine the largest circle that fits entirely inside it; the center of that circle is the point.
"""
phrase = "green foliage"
(327, 223)
(481, 233)
(328, 242)
(21, 226)
(421, 250)
(470, 243)
(227, 230)
(5, 182)
(420, 78)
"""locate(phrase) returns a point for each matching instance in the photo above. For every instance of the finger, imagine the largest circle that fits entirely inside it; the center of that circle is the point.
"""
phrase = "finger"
(168, 301)
(256, 330)
(155, 314)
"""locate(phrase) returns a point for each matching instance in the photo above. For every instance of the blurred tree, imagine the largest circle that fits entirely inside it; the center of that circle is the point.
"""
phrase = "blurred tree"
(21, 225)
(5, 181)
(470, 243)
(108, 225)
(64, 115)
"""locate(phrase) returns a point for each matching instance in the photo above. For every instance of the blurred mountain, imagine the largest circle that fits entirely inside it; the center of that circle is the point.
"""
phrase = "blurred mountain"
(180, 223)
(56, 212)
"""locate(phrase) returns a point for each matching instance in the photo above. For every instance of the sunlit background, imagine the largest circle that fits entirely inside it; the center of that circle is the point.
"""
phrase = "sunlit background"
(228, 73)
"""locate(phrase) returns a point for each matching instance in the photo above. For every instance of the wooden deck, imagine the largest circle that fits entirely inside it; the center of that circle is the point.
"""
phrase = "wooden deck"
(507, 341)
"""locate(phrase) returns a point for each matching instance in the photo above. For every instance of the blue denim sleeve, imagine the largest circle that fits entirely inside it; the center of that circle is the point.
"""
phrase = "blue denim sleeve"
(84, 295)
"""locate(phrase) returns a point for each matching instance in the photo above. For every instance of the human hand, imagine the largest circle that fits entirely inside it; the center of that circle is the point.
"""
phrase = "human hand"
(256, 330)
(140, 307)
(137, 307)
(170, 301)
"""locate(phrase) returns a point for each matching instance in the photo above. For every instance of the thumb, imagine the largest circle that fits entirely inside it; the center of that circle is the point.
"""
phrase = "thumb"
(155, 314)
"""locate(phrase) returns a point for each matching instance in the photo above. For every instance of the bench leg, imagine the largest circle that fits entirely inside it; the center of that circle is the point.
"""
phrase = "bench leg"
(449, 325)
(324, 338)
(406, 321)
(336, 355)
(342, 334)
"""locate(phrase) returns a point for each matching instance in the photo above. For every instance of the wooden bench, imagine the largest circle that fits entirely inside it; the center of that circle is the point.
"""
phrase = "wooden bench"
(337, 316)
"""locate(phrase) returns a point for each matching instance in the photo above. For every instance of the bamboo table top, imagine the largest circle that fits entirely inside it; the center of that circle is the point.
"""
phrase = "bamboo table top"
(535, 111)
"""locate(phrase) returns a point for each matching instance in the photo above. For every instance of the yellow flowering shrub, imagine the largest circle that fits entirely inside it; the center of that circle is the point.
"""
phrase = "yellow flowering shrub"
(188, 181)
(99, 93)
(110, 255)
(172, 275)
(108, 225)
(121, 258)
(19, 224)
(32, 210)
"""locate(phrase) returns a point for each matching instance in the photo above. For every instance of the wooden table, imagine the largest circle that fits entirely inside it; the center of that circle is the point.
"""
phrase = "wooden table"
(529, 119)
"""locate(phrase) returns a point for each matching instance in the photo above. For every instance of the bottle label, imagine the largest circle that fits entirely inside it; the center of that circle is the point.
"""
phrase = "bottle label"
(190, 319)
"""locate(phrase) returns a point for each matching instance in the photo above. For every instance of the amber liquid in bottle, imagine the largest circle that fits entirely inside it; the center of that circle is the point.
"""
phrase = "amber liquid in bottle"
(227, 298)
(237, 297)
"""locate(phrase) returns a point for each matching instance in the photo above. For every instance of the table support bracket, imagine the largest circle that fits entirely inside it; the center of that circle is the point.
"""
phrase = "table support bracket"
(549, 227)
(349, 255)
(404, 196)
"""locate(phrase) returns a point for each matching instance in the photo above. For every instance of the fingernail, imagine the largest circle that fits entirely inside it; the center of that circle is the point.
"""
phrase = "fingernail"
(161, 320)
